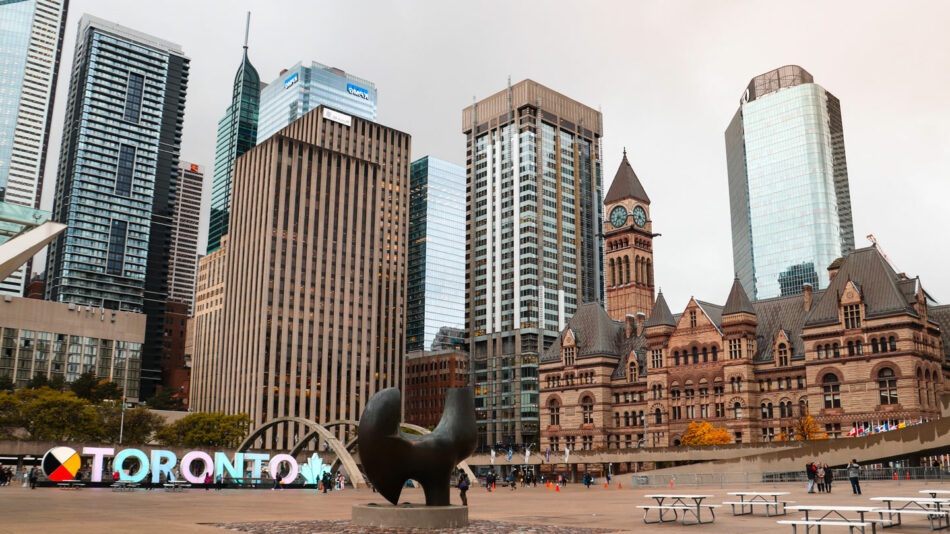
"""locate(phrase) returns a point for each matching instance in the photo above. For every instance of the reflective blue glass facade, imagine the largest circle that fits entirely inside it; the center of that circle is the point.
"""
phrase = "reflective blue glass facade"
(302, 88)
(435, 288)
(788, 186)
(16, 19)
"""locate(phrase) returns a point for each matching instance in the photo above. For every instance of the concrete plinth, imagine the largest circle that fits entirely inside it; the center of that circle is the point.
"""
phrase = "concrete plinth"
(409, 516)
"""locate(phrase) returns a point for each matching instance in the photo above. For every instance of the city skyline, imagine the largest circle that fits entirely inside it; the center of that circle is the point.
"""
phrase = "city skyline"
(687, 106)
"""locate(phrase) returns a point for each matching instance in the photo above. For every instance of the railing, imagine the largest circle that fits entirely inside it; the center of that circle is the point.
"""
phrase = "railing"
(732, 480)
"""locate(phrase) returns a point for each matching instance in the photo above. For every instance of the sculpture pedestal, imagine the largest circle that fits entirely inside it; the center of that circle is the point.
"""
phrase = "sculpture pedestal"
(409, 516)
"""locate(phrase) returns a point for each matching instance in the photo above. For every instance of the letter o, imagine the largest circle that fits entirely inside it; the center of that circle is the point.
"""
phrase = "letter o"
(120, 459)
(186, 466)
(275, 465)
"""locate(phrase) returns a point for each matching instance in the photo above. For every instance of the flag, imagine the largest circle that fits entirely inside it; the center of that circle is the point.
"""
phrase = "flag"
(493, 456)
(901, 425)
(567, 455)
(547, 455)
(853, 432)
(510, 452)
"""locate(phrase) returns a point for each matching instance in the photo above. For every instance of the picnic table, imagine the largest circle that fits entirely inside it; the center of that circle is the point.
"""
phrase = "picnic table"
(935, 509)
(770, 499)
(934, 492)
(833, 516)
(176, 485)
(688, 504)
(124, 485)
(71, 484)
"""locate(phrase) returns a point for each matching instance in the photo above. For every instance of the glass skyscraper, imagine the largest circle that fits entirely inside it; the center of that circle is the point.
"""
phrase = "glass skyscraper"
(533, 181)
(237, 133)
(435, 285)
(302, 88)
(788, 184)
(117, 175)
(31, 37)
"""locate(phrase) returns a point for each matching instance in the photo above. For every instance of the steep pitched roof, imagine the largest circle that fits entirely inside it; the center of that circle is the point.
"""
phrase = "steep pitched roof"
(626, 184)
(883, 290)
(713, 311)
(595, 333)
(738, 301)
(780, 314)
(941, 316)
(660, 315)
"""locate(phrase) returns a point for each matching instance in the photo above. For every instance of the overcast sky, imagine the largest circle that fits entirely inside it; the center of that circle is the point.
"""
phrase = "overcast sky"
(667, 76)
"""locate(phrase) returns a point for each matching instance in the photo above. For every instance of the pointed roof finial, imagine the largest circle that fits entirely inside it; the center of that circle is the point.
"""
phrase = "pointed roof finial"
(247, 29)
(624, 152)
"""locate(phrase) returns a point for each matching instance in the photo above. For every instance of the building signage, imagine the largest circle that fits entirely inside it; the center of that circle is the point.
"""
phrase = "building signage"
(291, 81)
(62, 463)
(356, 90)
(336, 116)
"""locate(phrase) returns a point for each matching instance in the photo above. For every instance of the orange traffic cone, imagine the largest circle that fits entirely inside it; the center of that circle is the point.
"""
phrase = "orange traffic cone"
(908, 476)
(493, 486)
(671, 483)
(605, 484)
(620, 485)
(557, 488)
(895, 476)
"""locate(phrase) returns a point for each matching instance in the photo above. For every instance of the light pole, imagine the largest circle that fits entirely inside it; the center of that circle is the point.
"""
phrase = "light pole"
(122, 418)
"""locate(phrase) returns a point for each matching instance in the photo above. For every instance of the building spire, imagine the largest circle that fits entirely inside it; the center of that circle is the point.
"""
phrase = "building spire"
(247, 30)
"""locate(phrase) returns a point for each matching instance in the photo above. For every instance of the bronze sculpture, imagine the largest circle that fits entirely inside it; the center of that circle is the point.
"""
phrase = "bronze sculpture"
(391, 457)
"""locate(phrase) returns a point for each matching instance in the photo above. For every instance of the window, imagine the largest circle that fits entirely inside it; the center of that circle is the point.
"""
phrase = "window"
(737, 408)
(893, 343)
(133, 97)
(852, 316)
(657, 357)
(124, 171)
(587, 409)
(832, 391)
(782, 355)
(658, 415)
(555, 408)
(767, 412)
(735, 349)
(887, 385)
(569, 353)
(116, 256)
(692, 318)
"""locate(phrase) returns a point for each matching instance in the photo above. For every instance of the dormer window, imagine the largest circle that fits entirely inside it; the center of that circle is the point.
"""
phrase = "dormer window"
(569, 353)
(782, 355)
(852, 316)
(692, 318)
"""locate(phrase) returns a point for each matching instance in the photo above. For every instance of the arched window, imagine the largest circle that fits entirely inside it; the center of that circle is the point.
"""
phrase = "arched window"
(835, 349)
(626, 418)
(617, 419)
(821, 352)
(767, 412)
(802, 407)
(738, 409)
(887, 385)
(874, 346)
(650, 273)
(859, 347)
(920, 387)
(658, 415)
(883, 343)
(587, 409)
(851, 348)
(637, 269)
(715, 353)
(832, 391)
(641, 419)
(612, 278)
(892, 341)
(695, 355)
(555, 407)
(626, 261)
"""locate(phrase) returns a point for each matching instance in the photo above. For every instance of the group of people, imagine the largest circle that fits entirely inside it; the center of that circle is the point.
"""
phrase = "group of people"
(6, 475)
(821, 476)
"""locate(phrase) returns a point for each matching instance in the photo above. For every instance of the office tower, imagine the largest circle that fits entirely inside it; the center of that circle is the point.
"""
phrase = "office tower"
(315, 278)
(788, 184)
(301, 88)
(534, 240)
(435, 291)
(117, 176)
(237, 133)
(204, 327)
(183, 253)
(30, 47)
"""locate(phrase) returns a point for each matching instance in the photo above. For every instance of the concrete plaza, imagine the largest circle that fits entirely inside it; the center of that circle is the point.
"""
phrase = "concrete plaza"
(100, 510)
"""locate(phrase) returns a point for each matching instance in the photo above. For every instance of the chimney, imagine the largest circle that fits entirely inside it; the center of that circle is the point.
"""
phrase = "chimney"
(833, 268)
(630, 326)
(641, 322)
(807, 290)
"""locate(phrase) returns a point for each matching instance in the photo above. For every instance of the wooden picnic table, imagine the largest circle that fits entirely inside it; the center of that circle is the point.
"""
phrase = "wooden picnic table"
(834, 514)
(936, 510)
(768, 498)
(686, 503)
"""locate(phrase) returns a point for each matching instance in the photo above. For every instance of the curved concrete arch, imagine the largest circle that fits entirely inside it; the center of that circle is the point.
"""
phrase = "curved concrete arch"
(343, 456)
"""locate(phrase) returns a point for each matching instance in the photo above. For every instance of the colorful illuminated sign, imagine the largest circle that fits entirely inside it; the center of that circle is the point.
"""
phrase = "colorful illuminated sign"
(291, 80)
(61, 463)
(356, 90)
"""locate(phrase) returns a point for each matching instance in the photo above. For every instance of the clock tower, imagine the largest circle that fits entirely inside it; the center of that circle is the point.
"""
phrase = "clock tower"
(628, 238)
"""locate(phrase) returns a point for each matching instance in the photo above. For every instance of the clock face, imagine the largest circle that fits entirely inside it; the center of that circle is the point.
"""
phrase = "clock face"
(639, 216)
(618, 216)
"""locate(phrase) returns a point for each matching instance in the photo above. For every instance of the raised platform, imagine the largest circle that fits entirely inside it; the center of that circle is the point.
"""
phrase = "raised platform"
(409, 516)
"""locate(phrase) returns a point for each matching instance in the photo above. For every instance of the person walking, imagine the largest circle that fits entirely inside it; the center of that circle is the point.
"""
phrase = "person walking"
(810, 473)
(277, 479)
(207, 481)
(327, 480)
(33, 477)
(463, 487)
(820, 478)
(829, 478)
(854, 472)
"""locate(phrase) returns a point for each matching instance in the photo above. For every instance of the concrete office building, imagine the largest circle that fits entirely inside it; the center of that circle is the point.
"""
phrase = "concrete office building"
(315, 276)
(183, 255)
(237, 133)
(534, 240)
(302, 88)
(436, 287)
(117, 178)
(428, 374)
(204, 328)
(788, 184)
(30, 48)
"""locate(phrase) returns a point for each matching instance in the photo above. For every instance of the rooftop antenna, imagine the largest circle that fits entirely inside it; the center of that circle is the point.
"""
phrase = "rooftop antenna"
(247, 30)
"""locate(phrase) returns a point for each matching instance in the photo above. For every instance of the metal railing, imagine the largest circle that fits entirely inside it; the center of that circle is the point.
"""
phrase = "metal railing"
(732, 480)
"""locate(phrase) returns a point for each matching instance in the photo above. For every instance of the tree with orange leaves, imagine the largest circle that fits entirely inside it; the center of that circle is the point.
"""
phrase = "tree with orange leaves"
(704, 433)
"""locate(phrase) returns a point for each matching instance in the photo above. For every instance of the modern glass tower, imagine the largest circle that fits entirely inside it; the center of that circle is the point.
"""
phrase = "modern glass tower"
(237, 133)
(788, 184)
(302, 88)
(31, 37)
(116, 183)
(533, 182)
(435, 285)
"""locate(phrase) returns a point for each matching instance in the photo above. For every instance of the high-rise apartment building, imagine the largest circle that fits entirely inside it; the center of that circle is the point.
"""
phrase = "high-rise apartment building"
(117, 177)
(534, 242)
(237, 133)
(183, 253)
(30, 48)
(788, 184)
(313, 316)
(302, 88)
(435, 292)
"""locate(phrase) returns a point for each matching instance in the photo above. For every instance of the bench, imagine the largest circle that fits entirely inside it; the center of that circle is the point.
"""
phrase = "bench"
(70, 484)
(124, 486)
(750, 504)
(941, 516)
(176, 486)
(808, 524)
(679, 508)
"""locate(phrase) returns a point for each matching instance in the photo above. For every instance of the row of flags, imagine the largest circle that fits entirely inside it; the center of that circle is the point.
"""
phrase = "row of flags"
(875, 427)
(527, 455)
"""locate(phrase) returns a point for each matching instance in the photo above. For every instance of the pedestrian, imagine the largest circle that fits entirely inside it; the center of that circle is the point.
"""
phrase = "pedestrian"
(463, 487)
(608, 478)
(854, 472)
(207, 481)
(115, 476)
(326, 482)
(820, 478)
(810, 473)
(277, 479)
(219, 482)
(829, 478)
(33, 477)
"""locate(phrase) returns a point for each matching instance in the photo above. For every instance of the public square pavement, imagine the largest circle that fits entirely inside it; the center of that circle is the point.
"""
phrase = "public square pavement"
(573, 510)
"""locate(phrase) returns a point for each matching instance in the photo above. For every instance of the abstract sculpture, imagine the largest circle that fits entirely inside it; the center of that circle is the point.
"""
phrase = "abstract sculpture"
(391, 457)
